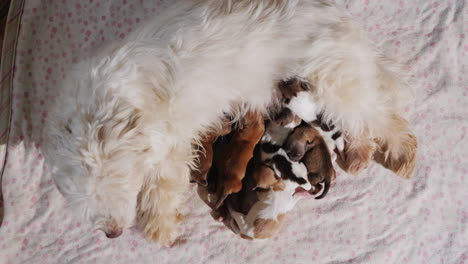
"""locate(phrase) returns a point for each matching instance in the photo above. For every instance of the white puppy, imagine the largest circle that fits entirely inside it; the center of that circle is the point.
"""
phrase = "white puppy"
(126, 118)
(265, 218)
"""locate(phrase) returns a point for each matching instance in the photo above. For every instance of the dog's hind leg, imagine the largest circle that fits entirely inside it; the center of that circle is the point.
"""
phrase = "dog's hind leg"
(361, 92)
(397, 152)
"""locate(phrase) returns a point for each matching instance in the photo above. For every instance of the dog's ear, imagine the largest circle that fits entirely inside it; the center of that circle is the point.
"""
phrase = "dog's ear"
(398, 152)
(122, 126)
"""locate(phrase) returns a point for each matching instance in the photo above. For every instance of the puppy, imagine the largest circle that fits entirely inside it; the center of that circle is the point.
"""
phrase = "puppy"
(265, 178)
(266, 213)
(333, 137)
(279, 128)
(271, 152)
(357, 153)
(186, 68)
(276, 132)
(205, 156)
(236, 155)
(296, 98)
(306, 144)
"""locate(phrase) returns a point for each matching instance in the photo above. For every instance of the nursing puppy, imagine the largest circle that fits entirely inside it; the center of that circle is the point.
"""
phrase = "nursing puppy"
(355, 153)
(268, 207)
(236, 155)
(306, 144)
(205, 153)
(120, 134)
(272, 153)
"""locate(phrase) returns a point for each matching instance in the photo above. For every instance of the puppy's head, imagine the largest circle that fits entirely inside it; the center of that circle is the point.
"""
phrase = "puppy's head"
(286, 118)
(301, 141)
(265, 178)
(95, 154)
(290, 88)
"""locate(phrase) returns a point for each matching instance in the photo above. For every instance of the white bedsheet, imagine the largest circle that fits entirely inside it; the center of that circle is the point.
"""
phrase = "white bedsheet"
(374, 218)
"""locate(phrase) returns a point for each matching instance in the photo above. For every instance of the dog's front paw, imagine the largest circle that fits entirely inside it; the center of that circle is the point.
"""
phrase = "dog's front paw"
(164, 231)
(163, 235)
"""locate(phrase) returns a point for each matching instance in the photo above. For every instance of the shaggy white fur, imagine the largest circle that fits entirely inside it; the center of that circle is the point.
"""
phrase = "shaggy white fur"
(120, 135)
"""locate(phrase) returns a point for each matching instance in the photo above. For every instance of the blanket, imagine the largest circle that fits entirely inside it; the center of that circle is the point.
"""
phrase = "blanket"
(373, 218)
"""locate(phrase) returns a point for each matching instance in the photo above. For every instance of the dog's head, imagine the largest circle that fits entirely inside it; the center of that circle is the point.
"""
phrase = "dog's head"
(303, 139)
(95, 152)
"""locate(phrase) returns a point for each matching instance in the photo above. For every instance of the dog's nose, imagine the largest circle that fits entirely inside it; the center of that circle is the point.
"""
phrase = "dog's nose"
(114, 233)
(294, 156)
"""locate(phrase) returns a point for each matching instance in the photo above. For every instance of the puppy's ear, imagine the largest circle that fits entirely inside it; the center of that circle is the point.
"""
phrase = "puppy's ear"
(398, 152)
(357, 155)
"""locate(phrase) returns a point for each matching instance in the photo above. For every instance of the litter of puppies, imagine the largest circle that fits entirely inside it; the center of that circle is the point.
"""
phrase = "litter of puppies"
(253, 175)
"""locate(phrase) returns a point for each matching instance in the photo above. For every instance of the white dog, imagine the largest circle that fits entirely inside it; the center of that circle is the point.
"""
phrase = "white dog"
(120, 135)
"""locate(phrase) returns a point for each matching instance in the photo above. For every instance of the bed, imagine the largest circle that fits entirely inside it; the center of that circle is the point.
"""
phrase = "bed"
(373, 218)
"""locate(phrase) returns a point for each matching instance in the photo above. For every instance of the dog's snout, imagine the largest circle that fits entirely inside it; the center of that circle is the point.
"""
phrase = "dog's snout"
(294, 155)
(113, 233)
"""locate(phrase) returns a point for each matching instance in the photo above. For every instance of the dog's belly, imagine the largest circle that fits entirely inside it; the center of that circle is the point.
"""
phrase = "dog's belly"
(214, 88)
(232, 58)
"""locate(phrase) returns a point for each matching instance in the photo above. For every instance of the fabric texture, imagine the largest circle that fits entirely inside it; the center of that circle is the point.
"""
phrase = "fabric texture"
(10, 23)
(373, 218)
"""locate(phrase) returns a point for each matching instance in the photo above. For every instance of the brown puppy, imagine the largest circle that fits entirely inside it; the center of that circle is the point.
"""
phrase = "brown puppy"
(265, 178)
(307, 145)
(205, 156)
(236, 155)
